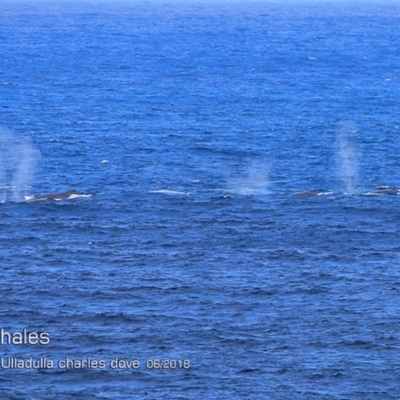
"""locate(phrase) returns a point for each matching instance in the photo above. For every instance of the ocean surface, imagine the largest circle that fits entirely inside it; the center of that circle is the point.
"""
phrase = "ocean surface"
(188, 130)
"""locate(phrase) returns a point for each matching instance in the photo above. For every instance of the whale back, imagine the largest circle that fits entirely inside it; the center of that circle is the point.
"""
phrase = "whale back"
(55, 196)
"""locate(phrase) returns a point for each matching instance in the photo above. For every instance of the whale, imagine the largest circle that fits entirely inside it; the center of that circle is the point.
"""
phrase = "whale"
(379, 191)
(391, 191)
(54, 196)
(387, 190)
(312, 192)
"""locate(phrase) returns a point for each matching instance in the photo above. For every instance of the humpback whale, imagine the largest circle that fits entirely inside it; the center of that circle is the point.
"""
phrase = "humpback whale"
(389, 190)
(312, 192)
(383, 190)
(69, 194)
(379, 191)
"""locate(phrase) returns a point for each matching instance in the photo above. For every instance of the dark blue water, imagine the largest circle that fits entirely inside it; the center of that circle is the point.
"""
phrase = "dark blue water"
(191, 126)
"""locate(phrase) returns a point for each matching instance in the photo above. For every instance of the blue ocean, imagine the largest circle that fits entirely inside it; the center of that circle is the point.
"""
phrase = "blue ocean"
(233, 227)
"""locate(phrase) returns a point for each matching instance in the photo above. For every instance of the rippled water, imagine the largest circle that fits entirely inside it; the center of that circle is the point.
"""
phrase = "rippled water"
(193, 126)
